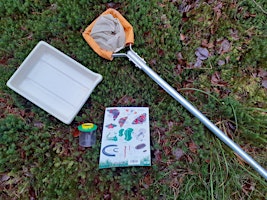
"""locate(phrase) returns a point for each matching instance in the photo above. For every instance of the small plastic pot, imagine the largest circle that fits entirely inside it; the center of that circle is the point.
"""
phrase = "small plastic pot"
(87, 136)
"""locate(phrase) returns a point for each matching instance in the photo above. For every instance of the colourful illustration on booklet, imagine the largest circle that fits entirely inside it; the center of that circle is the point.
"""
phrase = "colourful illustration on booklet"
(125, 138)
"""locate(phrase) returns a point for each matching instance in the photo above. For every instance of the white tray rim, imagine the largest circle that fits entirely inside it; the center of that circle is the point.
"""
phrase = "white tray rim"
(64, 56)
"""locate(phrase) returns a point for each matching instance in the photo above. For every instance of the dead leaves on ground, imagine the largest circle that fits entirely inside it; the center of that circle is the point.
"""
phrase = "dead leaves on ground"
(169, 151)
(216, 80)
(7, 107)
(209, 33)
(206, 50)
(262, 74)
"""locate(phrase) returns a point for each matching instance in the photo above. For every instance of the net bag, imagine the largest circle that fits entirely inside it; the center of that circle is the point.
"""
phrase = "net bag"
(109, 33)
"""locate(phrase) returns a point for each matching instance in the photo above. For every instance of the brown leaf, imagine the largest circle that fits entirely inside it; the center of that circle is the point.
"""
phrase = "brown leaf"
(182, 37)
(147, 181)
(4, 178)
(38, 124)
(264, 83)
(32, 194)
(262, 73)
(113, 5)
(225, 46)
(22, 154)
(126, 100)
(188, 84)
(76, 133)
(216, 79)
(178, 153)
(192, 147)
(234, 34)
(198, 63)
(202, 53)
(180, 58)
(167, 150)
(178, 69)
(221, 62)
(184, 8)
(217, 10)
(157, 154)
(153, 62)
(30, 36)
(4, 60)
(161, 52)
(248, 187)
(189, 158)
(148, 37)
(206, 44)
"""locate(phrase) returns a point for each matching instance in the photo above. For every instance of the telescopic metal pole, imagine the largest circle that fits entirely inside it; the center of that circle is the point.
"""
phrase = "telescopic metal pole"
(140, 63)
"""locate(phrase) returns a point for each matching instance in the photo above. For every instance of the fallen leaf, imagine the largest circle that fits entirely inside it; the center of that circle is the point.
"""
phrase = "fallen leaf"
(4, 178)
(107, 196)
(225, 46)
(180, 58)
(205, 43)
(22, 154)
(161, 52)
(182, 37)
(167, 150)
(178, 69)
(126, 100)
(32, 193)
(184, 8)
(147, 181)
(264, 83)
(216, 79)
(248, 187)
(184, 17)
(113, 5)
(262, 73)
(178, 153)
(164, 19)
(189, 158)
(76, 133)
(30, 36)
(198, 63)
(217, 10)
(202, 53)
(234, 34)
(4, 60)
(192, 147)
(201, 19)
(38, 124)
(221, 62)
(153, 62)
(157, 154)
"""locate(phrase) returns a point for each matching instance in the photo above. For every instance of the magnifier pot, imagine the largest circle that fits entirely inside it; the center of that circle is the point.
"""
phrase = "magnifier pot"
(87, 136)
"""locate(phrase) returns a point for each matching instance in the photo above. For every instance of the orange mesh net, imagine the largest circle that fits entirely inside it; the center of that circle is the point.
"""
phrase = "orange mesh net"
(128, 29)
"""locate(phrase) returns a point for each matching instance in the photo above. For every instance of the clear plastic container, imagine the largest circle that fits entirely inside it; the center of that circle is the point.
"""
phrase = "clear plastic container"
(87, 136)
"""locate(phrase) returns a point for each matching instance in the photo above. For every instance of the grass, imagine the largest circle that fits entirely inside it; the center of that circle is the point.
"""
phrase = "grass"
(41, 159)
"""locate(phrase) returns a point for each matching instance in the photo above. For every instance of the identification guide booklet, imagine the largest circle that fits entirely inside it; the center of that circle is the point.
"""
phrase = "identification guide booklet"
(125, 138)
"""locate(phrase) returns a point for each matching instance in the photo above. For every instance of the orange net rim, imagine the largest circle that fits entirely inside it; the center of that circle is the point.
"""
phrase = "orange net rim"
(128, 29)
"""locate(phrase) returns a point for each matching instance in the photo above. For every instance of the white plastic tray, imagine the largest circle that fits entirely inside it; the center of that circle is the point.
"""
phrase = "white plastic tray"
(54, 82)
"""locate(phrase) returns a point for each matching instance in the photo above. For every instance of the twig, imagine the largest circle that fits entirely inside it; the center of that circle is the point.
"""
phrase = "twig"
(260, 7)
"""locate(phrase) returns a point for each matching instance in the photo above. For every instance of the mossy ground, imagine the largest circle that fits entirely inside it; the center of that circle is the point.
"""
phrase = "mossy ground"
(40, 159)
